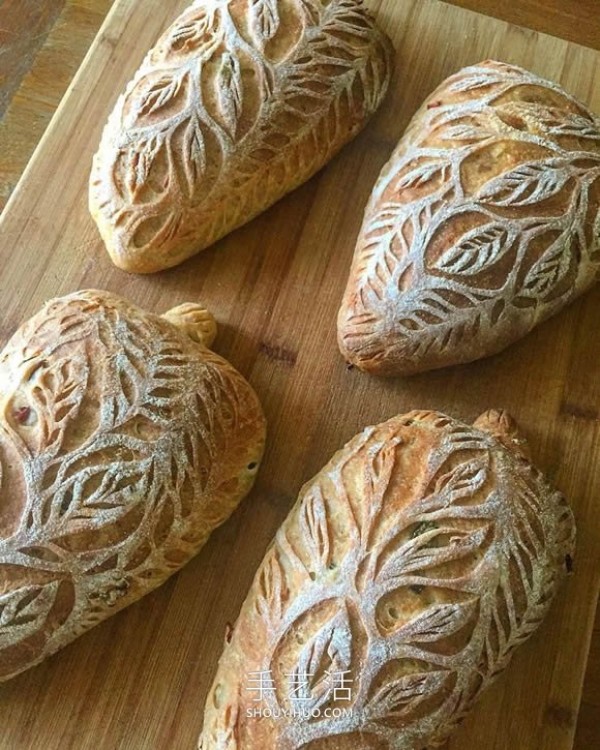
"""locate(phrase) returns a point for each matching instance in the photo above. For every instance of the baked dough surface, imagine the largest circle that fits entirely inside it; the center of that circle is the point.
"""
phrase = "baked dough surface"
(124, 442)
(412, 565)
(484, 223)
(239, 103)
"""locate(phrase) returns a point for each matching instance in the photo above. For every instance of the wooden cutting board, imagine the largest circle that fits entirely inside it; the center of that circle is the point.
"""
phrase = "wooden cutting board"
(138, 682)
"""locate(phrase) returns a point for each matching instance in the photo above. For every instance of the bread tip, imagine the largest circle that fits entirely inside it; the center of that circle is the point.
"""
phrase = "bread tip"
(504, 427)
(195, 321)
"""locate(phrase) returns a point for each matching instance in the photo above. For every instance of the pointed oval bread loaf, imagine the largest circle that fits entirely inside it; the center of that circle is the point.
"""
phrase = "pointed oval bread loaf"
(124, 442)
(239, 102)
(484, 223)
(410, 569)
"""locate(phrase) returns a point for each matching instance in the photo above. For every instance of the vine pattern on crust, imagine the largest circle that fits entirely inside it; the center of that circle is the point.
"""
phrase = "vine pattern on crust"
(238, 103)
(485, 222)
(123, 444)
(420, 582)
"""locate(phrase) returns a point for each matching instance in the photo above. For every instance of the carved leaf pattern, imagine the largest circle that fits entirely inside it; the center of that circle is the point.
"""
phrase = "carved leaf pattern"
(194, 154)
(230, 91)
(576, 127)
(265, 18)
(435, 581)
(459, 483)
(480, 174)
(526, 185)
(465, 132)
(422, 174)
(198, 31)
(419, 554)
(315, 528)
(430, 308)
(547, 273)
(328, 653)
(400, 696)
(98, 386)
(77, 498)
(567, 124)
(55, 397)
(160, 94)
(272, 589)
(141, 161)
(477, 251)
(439, 621)
(223, 81)
(23, 611)
(478, 77)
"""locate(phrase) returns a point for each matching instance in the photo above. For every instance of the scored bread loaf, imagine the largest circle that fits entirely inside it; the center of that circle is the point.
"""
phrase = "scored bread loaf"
(409, 570)
(484, 223)
(124, 442)
(239, 102)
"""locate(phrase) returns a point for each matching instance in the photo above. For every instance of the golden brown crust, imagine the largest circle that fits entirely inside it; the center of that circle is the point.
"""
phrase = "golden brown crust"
(195, 321)
(240, 102)
(123, 444)
(485, 222)
(415, 563)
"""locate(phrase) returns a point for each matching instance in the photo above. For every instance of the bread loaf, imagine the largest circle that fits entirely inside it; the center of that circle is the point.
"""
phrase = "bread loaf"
(484, 223)
(239, 102)
(409, 570)
(123, 444)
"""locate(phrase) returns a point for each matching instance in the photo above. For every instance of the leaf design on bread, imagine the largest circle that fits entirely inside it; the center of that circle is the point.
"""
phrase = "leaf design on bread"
(465, 131)
(527, 185)
(125, 442)
(328, 652)
(423, 174)
(491, 201)
(160, 94)
(266, 20)
(550, 269)
(399, 697)
(315, 529)
(461, 482)
(52, 402)
(237, 104)
(553, 120)
(199, 30)
(273, 591)
(24, 610)
(431, 550)
(477, 250)
(438, 622)
(229, 84)
(445, 547)
(483, 79)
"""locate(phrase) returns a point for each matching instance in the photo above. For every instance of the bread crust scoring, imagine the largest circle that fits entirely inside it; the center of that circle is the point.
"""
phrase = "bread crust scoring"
(123, 443)
(413, 564)
(239, 102)
(484, 223)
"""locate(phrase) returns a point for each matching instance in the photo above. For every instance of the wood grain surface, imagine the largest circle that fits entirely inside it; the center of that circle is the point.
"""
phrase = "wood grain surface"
(139, 681)
(40, 52)
(575, 20)
(23, 27)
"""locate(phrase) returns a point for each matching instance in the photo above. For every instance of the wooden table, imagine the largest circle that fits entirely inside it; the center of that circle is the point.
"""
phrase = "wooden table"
(42, 43)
